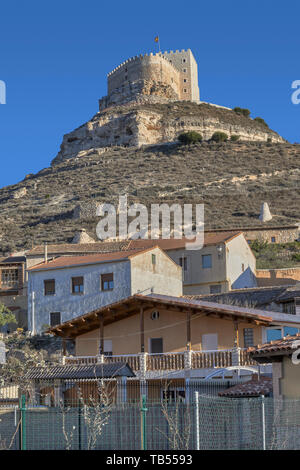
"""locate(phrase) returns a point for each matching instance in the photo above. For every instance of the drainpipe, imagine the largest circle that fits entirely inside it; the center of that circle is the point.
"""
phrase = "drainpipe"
(33, 312)
(46, 253)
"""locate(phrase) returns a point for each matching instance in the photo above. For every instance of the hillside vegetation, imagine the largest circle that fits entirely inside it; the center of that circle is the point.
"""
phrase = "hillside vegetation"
(231, 178)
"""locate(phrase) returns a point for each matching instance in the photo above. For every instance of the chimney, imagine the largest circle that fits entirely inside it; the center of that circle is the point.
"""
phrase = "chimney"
(46, 253)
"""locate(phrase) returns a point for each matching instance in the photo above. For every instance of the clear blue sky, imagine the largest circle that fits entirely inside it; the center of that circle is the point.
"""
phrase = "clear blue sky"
(54, 57)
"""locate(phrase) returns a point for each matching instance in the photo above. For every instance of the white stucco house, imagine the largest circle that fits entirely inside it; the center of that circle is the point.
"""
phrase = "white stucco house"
(70, 286)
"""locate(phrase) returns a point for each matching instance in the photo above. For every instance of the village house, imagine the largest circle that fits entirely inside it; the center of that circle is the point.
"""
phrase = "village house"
(283, 354)
(68, 286)
(13, 292)
(284, 299)
(224, 263)
(166, 336)
(264, 233)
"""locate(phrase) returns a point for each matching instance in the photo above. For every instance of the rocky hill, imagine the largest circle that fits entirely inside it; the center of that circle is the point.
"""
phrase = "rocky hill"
(231, 178)
(145, 122)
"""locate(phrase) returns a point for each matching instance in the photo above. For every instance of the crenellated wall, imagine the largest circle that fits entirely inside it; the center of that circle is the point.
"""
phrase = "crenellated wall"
(171, 76)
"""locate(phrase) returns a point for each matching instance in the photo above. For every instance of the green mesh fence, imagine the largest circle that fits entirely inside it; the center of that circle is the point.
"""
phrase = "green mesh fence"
(203, 422)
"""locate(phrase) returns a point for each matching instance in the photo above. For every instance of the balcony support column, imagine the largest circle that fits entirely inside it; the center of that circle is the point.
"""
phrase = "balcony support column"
(236, 354)
(142, 334)
(101, 332)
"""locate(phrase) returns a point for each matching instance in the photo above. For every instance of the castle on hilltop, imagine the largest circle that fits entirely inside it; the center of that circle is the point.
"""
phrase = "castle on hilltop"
(161, 77)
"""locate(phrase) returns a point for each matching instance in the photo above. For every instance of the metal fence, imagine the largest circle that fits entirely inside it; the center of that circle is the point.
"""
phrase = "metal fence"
(174, 422)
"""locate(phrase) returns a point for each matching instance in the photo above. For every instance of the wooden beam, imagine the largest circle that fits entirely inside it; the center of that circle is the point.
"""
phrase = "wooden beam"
(101, 345)
(236, 330)
(188, 330)
(142, 333)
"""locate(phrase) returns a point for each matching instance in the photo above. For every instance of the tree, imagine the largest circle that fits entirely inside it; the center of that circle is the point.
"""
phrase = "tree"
(261, 121)
(234, 138)
(190, 137)
(244, 111)
(219, 137)
(6, 316)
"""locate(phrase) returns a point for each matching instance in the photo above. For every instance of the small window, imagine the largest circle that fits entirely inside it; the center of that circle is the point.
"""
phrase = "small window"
(243, 267)
(248, 337)
(183, 60)
(184, 80)
(215, 289)
(156, 345)
(155, 315)
(184, 70)
(184, 90)
(107, 281)
(153, 259)
(273, 239)
(183, 262)
(126, 77)
(77, 285)
(206, 261)
(49, 287)
(55, 318)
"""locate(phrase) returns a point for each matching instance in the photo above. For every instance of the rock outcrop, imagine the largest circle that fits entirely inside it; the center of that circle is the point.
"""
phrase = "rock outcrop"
(153, 122)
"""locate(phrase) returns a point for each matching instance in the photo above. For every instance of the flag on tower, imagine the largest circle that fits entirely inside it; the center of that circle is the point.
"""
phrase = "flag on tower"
(156, 39)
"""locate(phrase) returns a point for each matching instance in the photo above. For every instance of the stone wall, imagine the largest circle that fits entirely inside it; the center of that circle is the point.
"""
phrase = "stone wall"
(277, 277)
(171, 75)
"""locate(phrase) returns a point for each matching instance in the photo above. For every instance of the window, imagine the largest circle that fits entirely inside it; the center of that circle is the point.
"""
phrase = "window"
(206, 261)
(289, 307)
(49, 287)
(248, 337)
(77, 285)
(215, 289)
(243, 267)
(9, 278)
(54, 318)
(107, 281)
(210, 342)
(156, 345)
(274, 333)
(107, 347)
(184, 90)
(184, 80)
(273, 239)
(153, 259)
(155, 315)
(183, 60)
(183, 262)
(184, 70)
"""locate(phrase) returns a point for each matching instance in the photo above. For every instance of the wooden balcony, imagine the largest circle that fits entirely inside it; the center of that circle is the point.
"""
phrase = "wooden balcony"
(174, 361)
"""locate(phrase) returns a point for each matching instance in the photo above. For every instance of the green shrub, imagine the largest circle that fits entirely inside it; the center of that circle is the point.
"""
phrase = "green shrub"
(190, 137)
(234, 138)
(245, 112)
(219, 137)
(261, 121)
(296, 257)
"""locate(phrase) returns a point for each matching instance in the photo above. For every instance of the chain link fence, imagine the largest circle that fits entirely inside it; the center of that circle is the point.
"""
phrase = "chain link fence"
(172, 421)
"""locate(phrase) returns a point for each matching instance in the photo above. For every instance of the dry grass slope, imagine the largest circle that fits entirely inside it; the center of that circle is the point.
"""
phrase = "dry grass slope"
(232, 179)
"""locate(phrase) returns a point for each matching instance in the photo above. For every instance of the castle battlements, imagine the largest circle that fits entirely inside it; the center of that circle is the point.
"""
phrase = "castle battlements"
(169, 75)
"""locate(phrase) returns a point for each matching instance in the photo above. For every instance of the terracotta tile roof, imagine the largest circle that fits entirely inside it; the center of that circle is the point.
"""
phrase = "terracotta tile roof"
(252, 388)
(125, 245)
(86, 371)
(278, 347)
(67, 261)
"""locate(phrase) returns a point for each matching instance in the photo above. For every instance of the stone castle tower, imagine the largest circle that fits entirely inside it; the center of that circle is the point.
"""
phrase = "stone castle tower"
(161, 77)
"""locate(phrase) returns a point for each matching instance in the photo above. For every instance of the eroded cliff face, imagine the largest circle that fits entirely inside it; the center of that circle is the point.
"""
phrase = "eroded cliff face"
(155, 122)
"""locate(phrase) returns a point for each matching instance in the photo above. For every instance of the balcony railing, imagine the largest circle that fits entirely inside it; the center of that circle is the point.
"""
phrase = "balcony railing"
(172, 361)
